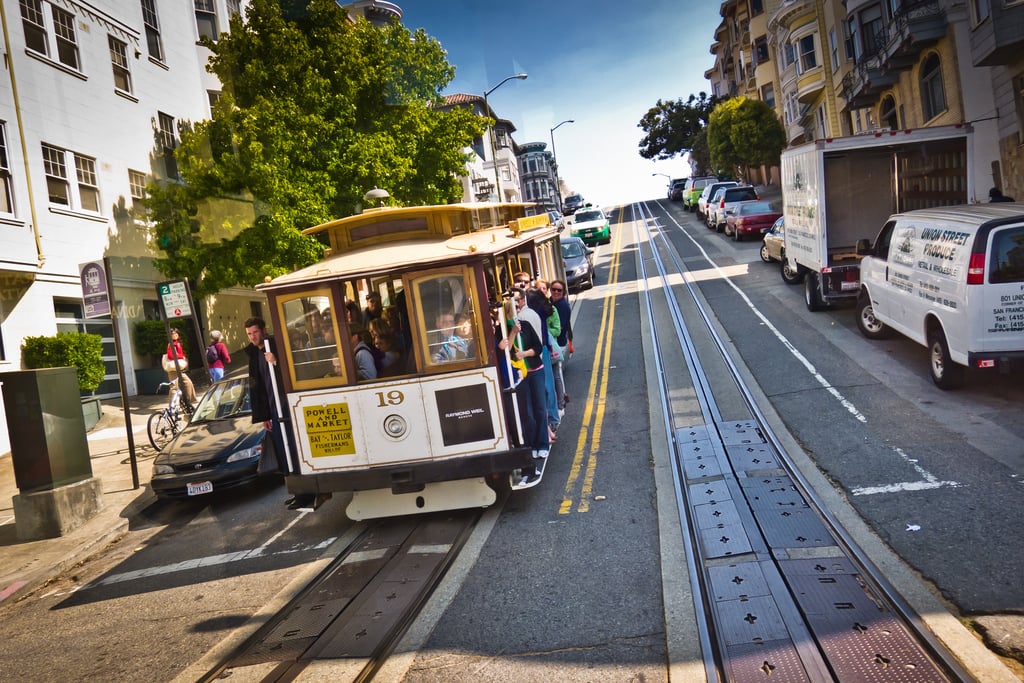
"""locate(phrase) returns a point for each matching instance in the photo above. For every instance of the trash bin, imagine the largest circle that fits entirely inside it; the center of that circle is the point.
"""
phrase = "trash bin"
(47, 431)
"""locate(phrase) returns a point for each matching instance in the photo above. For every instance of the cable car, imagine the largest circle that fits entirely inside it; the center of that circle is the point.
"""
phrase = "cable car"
(437, 428)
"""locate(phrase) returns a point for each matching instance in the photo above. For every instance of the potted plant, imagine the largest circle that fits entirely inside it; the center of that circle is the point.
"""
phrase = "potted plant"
(79, 350)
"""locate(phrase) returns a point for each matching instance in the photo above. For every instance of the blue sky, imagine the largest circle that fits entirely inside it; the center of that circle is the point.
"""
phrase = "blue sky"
(601, 64)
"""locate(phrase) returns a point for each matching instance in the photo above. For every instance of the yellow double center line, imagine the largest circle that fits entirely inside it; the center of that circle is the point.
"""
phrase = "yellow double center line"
(588, 443)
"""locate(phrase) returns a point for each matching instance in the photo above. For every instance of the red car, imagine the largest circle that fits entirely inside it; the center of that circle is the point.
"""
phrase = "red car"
(750, 218)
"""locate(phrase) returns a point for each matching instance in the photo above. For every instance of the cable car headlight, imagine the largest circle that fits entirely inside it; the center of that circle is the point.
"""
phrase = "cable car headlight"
(395, 426)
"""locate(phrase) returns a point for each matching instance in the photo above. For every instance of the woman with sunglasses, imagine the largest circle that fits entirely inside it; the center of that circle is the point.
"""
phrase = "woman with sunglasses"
(560, 301)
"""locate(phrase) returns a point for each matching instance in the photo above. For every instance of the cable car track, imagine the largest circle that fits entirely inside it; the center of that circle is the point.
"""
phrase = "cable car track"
(782, 589)
(358, 608)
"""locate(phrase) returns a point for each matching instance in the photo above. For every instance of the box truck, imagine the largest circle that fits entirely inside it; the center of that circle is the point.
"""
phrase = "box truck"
(839, 191)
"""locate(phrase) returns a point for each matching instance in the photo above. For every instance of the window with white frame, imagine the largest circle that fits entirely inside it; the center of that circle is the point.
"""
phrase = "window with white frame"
(833, 46)
(119, 63)
(808, 56)
(167, 141)
(88, 189)
(82, 194)
(933, 94)
(137, 185)
(6, 191)
(206, 19)
(50, 33)
(234, 7)
(152, 23)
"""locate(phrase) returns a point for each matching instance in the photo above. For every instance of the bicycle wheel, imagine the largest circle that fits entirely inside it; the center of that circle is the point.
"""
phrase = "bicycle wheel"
(161, 429)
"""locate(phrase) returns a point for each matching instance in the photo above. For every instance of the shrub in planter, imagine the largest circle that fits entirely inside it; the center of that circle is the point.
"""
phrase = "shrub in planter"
(79, 350)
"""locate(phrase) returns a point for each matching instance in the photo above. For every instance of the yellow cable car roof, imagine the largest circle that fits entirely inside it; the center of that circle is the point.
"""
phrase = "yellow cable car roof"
(418, 236)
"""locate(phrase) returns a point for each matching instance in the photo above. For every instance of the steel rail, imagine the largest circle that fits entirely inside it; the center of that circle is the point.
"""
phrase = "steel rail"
(397, 563)
(815, 663)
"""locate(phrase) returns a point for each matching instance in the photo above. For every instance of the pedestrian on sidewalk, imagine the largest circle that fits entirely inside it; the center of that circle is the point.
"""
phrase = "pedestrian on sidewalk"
(217, 355)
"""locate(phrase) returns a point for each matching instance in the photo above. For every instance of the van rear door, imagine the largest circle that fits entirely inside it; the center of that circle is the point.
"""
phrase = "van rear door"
(998, 317)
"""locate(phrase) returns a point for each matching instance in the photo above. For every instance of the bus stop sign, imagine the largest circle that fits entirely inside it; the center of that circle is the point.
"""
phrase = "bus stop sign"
(174, 298)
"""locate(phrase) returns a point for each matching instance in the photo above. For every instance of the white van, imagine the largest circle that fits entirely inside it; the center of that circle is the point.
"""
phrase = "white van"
(951, 279)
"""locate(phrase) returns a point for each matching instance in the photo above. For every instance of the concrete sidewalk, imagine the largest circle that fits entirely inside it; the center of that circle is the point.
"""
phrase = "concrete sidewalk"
(25, 565)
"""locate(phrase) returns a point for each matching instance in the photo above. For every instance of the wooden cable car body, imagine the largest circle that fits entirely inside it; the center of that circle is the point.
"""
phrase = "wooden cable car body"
(439, 429)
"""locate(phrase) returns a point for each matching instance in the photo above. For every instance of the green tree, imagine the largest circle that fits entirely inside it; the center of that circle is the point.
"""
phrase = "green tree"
(673, 127)
(314, 112)
(743, 132)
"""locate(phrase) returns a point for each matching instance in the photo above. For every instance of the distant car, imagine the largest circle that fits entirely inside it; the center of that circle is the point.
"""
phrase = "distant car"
(579, 263)
(724, 200)
(572, 204)
(708, 192)
(556, 219)
(218, 449)
(750, 218)
(591, 225)
(694, 186)
(773, 248)
(675, 188)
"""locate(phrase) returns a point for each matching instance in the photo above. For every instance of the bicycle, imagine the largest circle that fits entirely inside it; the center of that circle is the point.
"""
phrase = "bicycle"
(166, 424)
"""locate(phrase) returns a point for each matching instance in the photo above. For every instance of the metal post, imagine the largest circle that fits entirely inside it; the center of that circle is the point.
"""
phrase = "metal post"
(119, 352)
(554, 163)
(494, 149)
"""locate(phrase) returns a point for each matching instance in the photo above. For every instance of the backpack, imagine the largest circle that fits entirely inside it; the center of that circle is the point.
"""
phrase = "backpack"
(212, 354)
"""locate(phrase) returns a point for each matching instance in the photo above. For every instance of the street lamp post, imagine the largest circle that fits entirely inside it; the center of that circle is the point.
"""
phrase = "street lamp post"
(666, 175)
(554, 162)
(487, 112)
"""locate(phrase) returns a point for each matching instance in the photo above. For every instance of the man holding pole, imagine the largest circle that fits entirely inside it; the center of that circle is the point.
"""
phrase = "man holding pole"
(266, 398)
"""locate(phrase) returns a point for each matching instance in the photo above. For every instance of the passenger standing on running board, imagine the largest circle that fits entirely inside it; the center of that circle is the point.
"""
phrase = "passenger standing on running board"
(531, 333)
(264, 409)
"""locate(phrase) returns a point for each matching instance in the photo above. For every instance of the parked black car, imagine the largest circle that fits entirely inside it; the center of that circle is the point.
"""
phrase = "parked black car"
(218, 449)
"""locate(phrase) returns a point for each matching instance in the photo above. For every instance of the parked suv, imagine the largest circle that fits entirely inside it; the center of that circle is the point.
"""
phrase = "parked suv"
(725, 200)
(708, 192)
(675, 188)
(693, 188)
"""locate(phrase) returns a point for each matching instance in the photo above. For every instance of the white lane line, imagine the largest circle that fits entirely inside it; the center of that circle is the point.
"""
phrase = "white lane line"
(818, 377)
(927, 481)
(195, 563)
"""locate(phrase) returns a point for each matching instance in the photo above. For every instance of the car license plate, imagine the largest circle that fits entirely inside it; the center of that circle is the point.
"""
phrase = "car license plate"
(200, 488)
(849, 286)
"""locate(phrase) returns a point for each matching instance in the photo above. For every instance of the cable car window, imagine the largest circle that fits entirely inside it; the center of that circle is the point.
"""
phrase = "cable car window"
(312, 351)
(448, 326)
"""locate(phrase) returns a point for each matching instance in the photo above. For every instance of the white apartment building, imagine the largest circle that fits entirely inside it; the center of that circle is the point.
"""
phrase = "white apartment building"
(91, 98)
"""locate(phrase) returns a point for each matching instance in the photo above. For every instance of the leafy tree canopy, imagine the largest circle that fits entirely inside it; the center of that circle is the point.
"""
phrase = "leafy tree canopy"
(672, 127)
(314, 112)
(744, 132)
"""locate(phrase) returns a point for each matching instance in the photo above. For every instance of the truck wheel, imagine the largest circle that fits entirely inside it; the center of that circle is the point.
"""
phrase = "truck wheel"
(812, 295)
(870, 326)
(945, 373)
(791, 276)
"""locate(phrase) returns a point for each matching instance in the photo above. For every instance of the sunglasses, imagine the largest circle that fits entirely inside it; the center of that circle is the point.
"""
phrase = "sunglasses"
(557, 289)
